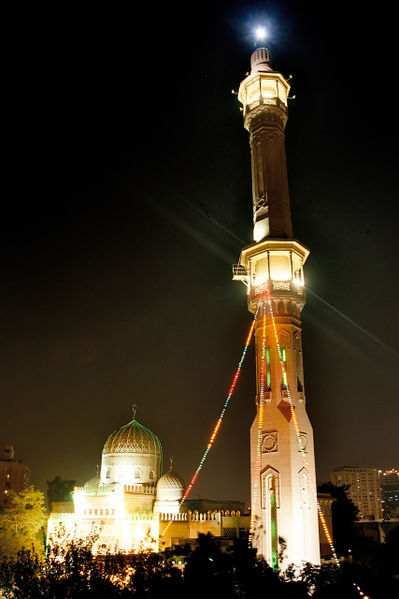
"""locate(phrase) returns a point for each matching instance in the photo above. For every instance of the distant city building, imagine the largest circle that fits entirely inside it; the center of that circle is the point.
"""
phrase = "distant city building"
(14, 476)
(390, 493)
(364, 489)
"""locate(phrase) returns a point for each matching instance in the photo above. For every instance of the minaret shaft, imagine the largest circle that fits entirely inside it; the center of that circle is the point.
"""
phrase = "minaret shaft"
(283, 480)
(269, 178)
(264, 94)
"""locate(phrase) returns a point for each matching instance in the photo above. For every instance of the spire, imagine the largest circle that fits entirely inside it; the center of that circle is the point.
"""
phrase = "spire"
(134, 410)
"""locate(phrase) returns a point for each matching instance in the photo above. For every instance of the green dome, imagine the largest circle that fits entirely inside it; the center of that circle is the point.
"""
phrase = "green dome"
(133, 438)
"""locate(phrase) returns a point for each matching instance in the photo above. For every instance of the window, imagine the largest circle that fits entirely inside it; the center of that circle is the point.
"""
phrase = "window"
(284, 361)
(298, 371)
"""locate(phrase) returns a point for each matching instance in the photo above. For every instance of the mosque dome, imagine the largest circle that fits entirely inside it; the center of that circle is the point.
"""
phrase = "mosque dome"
(170, 487)
(133, 438)
(132, 455)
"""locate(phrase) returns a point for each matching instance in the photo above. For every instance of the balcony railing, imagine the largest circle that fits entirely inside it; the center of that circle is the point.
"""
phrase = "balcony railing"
(239, 271)
(289, 287)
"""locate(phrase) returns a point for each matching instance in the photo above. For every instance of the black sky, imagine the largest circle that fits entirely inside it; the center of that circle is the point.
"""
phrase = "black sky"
(127, 197)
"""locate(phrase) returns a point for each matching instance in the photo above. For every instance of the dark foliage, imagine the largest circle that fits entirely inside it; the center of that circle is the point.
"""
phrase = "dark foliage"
(206, 571)
(59, 489)
(344, 514)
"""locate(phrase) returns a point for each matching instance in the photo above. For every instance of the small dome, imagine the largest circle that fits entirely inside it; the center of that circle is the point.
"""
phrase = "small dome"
(133, 438)
(170, 487)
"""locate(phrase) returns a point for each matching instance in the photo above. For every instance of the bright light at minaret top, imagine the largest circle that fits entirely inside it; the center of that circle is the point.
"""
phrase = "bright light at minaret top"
(260, 33)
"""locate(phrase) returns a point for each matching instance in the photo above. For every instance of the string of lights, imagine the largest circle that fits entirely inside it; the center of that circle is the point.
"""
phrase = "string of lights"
(221, 416)
(266, 301)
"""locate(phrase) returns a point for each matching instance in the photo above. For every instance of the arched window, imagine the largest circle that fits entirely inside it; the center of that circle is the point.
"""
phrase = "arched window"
(298, 362)
(298, 369)
(270, 502)
(284, 361)
(263, 367)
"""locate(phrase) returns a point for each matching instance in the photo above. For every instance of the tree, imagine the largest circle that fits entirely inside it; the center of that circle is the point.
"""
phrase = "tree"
(59, 490)
(208, 571)
(390, 552)
(22, 521)
(71, 570)
(344, 514)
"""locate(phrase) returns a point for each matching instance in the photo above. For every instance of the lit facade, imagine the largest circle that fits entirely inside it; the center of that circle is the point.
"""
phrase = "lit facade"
(364, 489)
(132, 506)
(14, 475)
(283, 481)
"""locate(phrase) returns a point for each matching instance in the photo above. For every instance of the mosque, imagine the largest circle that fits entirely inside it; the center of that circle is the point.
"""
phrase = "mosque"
(131, 505)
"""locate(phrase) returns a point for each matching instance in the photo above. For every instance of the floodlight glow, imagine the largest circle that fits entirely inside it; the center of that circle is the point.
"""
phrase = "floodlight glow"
(260, 33)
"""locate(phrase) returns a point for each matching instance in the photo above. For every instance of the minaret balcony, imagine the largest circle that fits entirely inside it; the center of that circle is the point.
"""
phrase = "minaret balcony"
(240, 273)
(264, 88)
(278, 288)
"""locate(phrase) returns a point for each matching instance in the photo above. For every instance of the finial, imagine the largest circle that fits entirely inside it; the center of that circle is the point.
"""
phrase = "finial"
(261, 60)
(171, 464)
(134, 410)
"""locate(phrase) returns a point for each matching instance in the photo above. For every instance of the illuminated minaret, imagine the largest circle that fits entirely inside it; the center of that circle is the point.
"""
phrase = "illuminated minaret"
(283, 482)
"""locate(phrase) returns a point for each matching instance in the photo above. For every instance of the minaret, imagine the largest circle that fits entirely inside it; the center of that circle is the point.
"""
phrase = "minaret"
(283, 481)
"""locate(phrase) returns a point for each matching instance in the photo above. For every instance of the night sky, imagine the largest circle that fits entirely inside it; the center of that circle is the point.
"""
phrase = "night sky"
(127, 198)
